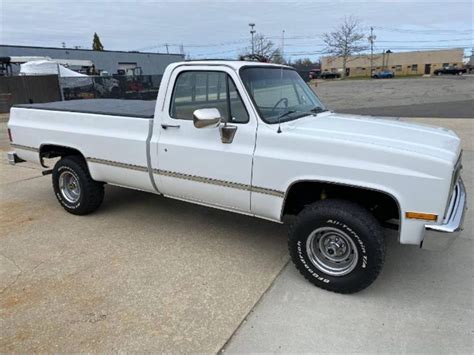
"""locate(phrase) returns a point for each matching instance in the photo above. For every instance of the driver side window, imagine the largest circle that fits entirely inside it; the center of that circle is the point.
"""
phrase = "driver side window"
(207, 89)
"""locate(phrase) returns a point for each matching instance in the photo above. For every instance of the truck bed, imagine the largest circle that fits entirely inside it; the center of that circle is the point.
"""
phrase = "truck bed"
(112, 107)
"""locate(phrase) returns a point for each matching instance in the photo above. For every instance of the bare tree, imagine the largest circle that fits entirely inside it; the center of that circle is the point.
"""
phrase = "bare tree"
(345, 41)
(264, 50)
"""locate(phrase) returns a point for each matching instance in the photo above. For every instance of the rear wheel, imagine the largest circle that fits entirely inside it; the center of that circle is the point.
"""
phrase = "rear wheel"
(74, 188)
(337, 245)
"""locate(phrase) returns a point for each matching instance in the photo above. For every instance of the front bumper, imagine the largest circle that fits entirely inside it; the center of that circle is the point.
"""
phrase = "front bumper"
(440, 236)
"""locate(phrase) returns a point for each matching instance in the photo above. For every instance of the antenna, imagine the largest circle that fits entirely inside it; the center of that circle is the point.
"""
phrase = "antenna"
(281, 95)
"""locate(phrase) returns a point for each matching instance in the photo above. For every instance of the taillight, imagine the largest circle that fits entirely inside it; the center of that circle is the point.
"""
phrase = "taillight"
(10, 135)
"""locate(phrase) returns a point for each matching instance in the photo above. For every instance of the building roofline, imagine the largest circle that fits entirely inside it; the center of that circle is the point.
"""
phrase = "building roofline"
(87, 50)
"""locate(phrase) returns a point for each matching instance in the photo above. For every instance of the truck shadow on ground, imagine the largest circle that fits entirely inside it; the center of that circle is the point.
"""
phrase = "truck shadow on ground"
(407, 268)
(167, 211)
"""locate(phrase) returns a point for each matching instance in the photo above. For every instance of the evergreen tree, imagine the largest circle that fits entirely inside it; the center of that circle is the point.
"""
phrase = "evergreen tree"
(96, 43)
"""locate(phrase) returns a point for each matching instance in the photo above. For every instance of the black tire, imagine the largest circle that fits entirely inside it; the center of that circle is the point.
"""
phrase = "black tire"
(90, 194)
(346, 220)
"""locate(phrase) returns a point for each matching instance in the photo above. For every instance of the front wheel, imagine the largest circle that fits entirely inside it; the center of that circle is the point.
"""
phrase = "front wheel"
(74, 187)
(337, 245)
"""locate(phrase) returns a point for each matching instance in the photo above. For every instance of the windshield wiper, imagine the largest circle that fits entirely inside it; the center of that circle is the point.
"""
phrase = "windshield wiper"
(289, 112)
(317, 109)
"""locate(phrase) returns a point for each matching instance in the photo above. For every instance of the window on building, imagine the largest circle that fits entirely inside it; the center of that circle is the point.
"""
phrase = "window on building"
(414, 67)
(201, 89)
(333, 70)
(398, 68)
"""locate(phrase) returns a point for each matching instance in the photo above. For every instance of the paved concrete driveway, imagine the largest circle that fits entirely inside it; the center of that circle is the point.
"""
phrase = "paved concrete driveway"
(421, 302)
(144, 273)
(149, 274)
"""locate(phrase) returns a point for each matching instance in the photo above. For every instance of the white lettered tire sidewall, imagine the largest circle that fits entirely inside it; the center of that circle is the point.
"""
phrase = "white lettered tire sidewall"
(356, 223)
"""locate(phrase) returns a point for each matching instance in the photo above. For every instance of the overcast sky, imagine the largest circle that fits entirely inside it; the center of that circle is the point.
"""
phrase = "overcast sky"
(219, 29)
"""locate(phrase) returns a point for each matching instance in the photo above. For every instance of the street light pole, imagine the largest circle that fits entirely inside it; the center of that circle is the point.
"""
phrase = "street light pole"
(252, 32)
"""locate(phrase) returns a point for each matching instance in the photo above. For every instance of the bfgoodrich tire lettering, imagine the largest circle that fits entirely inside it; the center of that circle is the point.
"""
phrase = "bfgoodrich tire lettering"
(88, 194)
(350, 251)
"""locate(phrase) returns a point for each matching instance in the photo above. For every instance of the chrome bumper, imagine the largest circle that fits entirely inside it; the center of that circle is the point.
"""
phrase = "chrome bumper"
(440, 236)
(13, 158)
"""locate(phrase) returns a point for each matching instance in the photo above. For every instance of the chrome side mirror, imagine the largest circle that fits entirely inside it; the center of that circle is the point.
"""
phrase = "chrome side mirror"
(207, 118)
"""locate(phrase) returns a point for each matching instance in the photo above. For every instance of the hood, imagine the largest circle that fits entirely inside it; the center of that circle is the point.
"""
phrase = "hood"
(436, 142)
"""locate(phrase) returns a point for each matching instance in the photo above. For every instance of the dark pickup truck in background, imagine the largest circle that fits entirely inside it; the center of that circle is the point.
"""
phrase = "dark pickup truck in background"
(450, 71)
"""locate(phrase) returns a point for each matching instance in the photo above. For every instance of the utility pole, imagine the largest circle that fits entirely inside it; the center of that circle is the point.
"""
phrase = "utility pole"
(371, 39)
(252, 32)
(282, 51)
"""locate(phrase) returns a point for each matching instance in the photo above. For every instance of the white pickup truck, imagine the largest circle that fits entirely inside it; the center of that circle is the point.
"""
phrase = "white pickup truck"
(253, 138)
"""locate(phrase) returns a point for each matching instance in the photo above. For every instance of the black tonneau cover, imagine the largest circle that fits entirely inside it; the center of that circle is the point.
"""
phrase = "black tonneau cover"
(113, 107)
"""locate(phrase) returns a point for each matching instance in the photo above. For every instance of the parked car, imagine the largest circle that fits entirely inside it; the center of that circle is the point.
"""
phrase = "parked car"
(314, 74)
(384, 74)
(254, 139)
(329, 75)
(450, 71)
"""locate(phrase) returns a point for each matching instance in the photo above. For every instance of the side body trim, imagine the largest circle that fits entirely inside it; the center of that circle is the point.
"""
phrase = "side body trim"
(205, 180)
(24, 147)
(118, 164)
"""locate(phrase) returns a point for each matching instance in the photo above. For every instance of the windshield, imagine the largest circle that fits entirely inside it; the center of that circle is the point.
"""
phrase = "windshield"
(279, 93)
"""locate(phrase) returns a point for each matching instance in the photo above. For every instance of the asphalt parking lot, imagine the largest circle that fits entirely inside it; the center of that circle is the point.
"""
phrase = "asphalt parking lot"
(446, 96)
(146, 273)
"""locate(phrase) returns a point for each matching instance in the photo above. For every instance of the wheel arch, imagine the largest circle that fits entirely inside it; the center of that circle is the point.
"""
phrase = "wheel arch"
(321, 189)
(51, 150)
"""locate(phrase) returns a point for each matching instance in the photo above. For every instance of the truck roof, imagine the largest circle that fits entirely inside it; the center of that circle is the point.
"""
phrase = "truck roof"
(234, 64)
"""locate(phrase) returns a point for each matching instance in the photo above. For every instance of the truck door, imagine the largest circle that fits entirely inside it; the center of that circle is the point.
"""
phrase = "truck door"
(194, 163)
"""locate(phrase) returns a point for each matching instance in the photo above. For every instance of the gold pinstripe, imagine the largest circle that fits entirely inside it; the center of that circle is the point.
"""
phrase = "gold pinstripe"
(24, 147)
(201, 179)
(118, 164)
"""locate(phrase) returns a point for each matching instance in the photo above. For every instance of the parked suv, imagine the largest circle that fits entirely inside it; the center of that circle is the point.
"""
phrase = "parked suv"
(384, 74)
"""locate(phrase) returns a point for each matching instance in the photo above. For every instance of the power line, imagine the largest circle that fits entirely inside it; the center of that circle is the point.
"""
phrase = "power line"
(428, 31)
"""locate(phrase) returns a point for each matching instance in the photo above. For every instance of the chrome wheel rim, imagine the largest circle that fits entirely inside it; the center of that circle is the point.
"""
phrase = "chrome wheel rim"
(332, 251)
(69, 187)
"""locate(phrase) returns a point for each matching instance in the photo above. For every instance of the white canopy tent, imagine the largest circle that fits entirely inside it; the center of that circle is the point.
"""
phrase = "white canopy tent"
(49, 67)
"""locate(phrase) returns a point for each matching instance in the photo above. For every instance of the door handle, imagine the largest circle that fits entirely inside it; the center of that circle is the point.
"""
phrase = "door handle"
(166, 126)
